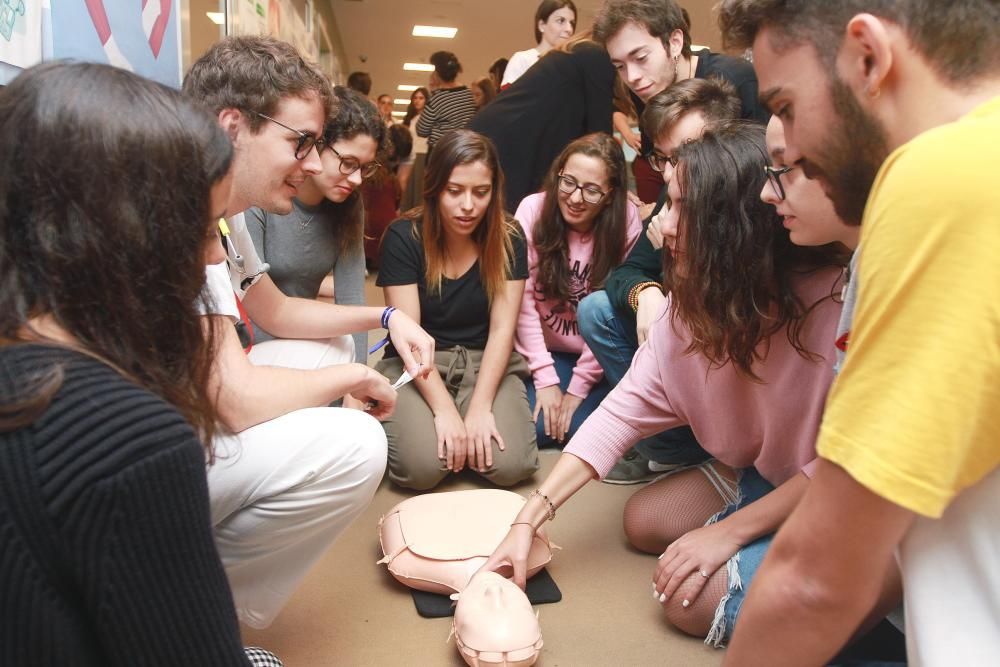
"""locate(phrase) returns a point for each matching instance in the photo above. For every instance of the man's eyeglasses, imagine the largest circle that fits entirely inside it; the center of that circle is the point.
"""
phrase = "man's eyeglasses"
(306, 142)
(591, 193)
(774, 178)
(659, 161)
(350, 164)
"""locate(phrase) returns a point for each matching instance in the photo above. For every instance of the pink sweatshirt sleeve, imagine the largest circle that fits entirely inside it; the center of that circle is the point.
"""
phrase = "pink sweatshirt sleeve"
(530, 340)
(588, 371)
(637, 408)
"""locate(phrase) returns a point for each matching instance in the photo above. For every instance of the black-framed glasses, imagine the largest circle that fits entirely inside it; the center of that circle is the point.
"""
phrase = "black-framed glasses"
(774, 178)
(306, 142)
(350, 164)
(591, 193)
(658, 161)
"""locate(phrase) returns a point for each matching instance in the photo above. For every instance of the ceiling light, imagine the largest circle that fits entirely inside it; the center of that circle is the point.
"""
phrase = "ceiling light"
(400, 100)
(434, 31)
(398, 113)
(218, 18)
(409, 88)
(418, 67)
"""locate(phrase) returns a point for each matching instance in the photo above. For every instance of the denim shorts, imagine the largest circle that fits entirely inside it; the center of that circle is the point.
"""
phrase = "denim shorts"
(744, 565)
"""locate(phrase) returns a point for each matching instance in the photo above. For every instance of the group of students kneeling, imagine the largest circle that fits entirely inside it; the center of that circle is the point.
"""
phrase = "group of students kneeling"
(118, 363)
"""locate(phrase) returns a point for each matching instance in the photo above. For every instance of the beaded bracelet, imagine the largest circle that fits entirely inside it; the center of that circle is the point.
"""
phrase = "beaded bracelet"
(551, 510)
(633, 294)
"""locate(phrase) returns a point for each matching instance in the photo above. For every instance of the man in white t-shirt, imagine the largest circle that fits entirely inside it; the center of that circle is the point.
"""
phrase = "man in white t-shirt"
(894, 106)
(293, 473)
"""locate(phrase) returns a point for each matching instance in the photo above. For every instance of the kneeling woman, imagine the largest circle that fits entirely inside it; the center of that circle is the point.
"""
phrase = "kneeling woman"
(458, 265)
(579, 228)
(743, 354)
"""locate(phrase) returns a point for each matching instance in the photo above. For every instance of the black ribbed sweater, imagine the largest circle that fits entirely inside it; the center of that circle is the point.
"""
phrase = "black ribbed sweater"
(106, 548)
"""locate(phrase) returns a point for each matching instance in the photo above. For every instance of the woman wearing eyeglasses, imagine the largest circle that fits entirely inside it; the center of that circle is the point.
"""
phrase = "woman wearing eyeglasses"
(578, 228)
(316, 250)
(742, 353)
(457, 266)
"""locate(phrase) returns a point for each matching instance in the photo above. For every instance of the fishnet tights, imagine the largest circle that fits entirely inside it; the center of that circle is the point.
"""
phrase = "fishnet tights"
(665, 510)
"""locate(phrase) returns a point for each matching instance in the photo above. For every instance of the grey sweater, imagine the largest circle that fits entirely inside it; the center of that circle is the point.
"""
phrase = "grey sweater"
(302, 249)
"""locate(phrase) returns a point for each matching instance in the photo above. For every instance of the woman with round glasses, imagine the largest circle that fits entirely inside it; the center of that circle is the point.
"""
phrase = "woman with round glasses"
(743, 354)
(317, 250)
(458, 265)
(578, 228)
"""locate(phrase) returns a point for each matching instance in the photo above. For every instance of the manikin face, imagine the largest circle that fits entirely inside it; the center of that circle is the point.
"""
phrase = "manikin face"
(643, 62)
(827, 133)
(591, 173)
(266, 173)
(465, 198)
(419, 101)
(807, 211)
(558, 28)
(221, 191)
(688, 127)
(332, 182)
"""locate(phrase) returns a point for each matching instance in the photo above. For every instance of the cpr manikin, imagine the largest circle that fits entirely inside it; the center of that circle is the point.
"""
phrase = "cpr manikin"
(436, 542)
(495, 624)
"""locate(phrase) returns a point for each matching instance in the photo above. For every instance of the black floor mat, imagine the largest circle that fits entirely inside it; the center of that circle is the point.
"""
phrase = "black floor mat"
(541, 589)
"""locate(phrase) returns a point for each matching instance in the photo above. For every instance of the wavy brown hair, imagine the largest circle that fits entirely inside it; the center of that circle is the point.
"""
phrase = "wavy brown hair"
(737, 287)
(103, 223)
(610, 225)
(495, 231)
(353, 115)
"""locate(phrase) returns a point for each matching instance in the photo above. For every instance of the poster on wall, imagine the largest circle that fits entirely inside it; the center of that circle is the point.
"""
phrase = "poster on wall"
(20, 32)
(250, 17)
(143, 37)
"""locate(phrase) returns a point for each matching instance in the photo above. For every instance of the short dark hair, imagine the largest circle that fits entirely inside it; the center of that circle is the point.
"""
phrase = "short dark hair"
(715, 98)
(254, 73)
(659, 17)
(379, 98)
(361, 82)
(545, 10)
(104, 219)
(958, 38)
(446, 65)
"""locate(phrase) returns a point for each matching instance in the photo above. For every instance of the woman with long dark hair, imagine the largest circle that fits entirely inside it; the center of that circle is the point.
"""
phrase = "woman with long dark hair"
(451, 104)
(743, 353)
(321, 241)
(106, 223)
(579, 228)
(458, 265)
(411, 170)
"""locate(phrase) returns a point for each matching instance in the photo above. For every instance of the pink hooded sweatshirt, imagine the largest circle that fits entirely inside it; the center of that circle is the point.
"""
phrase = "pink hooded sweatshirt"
(545, 325)
(771, 425)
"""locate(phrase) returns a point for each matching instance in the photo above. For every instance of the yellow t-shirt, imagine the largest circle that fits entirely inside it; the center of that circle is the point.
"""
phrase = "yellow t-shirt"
(915, 414)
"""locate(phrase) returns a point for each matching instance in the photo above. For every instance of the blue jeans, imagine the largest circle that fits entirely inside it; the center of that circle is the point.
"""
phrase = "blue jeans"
(565, 362)
(613, 341)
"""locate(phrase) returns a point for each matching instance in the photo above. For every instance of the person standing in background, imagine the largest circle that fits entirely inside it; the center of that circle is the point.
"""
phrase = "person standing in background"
(555, 22)
(411, 171)
(451, 105)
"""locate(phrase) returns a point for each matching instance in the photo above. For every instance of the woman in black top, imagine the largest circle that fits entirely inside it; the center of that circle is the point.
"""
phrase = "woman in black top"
(106, 223)
(458, 266)
(565, 95)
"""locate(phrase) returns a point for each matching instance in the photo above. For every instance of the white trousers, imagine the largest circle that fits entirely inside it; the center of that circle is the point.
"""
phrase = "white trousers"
(282, 491)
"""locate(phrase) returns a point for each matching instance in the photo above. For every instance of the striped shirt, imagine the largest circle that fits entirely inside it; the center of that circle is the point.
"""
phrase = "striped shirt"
(447, 109)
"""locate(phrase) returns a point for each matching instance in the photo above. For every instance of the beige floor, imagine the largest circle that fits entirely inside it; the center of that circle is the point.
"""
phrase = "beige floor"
(350, 611)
